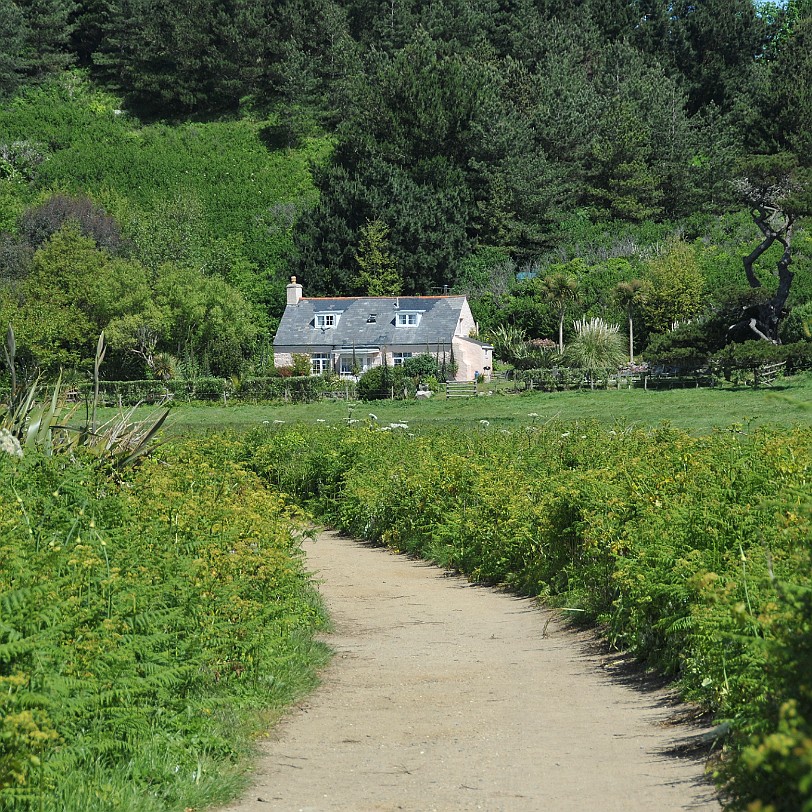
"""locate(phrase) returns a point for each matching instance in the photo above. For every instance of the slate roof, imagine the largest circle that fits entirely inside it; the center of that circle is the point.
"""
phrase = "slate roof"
(438, 323)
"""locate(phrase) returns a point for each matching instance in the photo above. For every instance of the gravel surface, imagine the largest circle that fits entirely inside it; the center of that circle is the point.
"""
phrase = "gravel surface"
(448, 696)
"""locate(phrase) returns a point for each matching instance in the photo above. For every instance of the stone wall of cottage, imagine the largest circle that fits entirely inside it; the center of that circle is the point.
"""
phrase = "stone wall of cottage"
(283, 359)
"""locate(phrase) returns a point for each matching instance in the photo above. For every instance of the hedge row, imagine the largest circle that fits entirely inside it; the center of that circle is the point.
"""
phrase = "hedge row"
(131, 393)
(693, 553)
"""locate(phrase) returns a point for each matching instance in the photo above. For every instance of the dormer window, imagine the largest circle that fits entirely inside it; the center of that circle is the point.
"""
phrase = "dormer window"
(407, 319)
(325, 320)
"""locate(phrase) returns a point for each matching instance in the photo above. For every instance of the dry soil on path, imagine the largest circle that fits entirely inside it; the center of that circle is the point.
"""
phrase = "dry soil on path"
(447, 696)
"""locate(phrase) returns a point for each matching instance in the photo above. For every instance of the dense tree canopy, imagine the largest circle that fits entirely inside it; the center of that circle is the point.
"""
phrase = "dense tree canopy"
(452, 143)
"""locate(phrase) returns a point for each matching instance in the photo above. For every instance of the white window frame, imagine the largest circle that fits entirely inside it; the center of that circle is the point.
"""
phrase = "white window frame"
(319, 363)
(399, 357)
(407, 318)
(327, 321)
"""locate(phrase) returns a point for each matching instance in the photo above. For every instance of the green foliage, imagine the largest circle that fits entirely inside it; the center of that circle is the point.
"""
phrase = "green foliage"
(597, 347)
(378, 275)
(134, 652)
(421, 366)
(301, 364)
(688, 346)
(561, 289)
(677, 287)
(33, 420)
(381, 382)
(219, 179)
(797, 326)
(511, 345)
(305, 389)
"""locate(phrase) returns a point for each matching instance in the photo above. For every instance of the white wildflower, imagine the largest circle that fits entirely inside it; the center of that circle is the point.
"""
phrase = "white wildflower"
(10, 444)
(566, 434)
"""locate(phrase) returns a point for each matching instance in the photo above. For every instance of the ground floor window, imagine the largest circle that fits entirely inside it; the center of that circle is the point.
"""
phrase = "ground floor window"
(399, 357)
(358, 363)
(320, 363)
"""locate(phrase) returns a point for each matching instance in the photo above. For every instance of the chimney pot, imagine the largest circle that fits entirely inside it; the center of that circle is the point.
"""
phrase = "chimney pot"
(294, 291)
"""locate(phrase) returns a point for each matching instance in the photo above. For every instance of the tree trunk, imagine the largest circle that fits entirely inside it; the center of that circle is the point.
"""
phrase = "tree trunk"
(631, 339)
(762, 321)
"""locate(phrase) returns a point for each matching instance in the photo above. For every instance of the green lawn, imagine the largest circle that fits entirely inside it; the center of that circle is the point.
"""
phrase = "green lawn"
(698, 411)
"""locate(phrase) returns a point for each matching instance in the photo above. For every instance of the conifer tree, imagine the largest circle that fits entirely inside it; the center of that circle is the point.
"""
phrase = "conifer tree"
(47, 36)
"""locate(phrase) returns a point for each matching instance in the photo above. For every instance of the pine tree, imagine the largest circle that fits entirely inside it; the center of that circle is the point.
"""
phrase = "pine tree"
(47, 36)
(12, 47)
(378, 275)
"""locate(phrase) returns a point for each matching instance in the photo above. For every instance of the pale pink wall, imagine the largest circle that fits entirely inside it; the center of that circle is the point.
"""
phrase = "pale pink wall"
(466, 326)
(471, 357)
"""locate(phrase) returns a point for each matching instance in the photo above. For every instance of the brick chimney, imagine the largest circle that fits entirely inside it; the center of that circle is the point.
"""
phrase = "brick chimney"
(294, 291)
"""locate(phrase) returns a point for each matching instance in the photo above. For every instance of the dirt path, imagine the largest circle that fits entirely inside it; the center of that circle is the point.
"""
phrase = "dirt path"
(446, 696)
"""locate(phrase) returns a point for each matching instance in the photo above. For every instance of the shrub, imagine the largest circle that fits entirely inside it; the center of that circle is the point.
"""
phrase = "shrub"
(797, 326)
(687, 347)
(384, 382)
(135, 651)
(39, 224)
(301, 364)
(421, 366)
(597, 347)
(798, 356)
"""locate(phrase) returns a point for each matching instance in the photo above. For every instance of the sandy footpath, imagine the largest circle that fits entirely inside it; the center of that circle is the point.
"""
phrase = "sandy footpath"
(447, 696)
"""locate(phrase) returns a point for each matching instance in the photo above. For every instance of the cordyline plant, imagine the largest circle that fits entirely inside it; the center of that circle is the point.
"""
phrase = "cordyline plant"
(597, 347)
(38, 421)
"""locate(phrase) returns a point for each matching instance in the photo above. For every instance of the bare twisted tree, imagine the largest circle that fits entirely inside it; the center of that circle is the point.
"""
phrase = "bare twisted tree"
(778, 193)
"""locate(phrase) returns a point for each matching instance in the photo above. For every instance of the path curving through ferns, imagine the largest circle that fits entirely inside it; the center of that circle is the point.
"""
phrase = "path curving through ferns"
(446, 696)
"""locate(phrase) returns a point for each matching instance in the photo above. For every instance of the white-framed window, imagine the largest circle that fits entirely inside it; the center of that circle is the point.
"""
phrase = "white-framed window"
(407, 319)
(325, 320)
(399, 357)
(320, 363)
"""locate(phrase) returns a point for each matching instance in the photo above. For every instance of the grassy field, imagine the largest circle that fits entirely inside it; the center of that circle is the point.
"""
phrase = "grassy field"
(697, 411)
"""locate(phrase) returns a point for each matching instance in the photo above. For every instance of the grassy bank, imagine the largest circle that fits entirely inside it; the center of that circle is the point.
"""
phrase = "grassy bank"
(150, 626)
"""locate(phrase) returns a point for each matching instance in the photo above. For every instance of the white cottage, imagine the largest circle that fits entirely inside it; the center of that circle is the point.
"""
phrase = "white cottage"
(339, 332)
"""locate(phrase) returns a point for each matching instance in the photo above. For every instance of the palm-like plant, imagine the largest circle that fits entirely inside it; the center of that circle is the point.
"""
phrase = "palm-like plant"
(561, 290)
(597, 346)
(508, 341)
(628, 295)
(29, 421)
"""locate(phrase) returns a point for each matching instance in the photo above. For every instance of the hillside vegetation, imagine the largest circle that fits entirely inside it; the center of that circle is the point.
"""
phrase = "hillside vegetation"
(636, 150)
